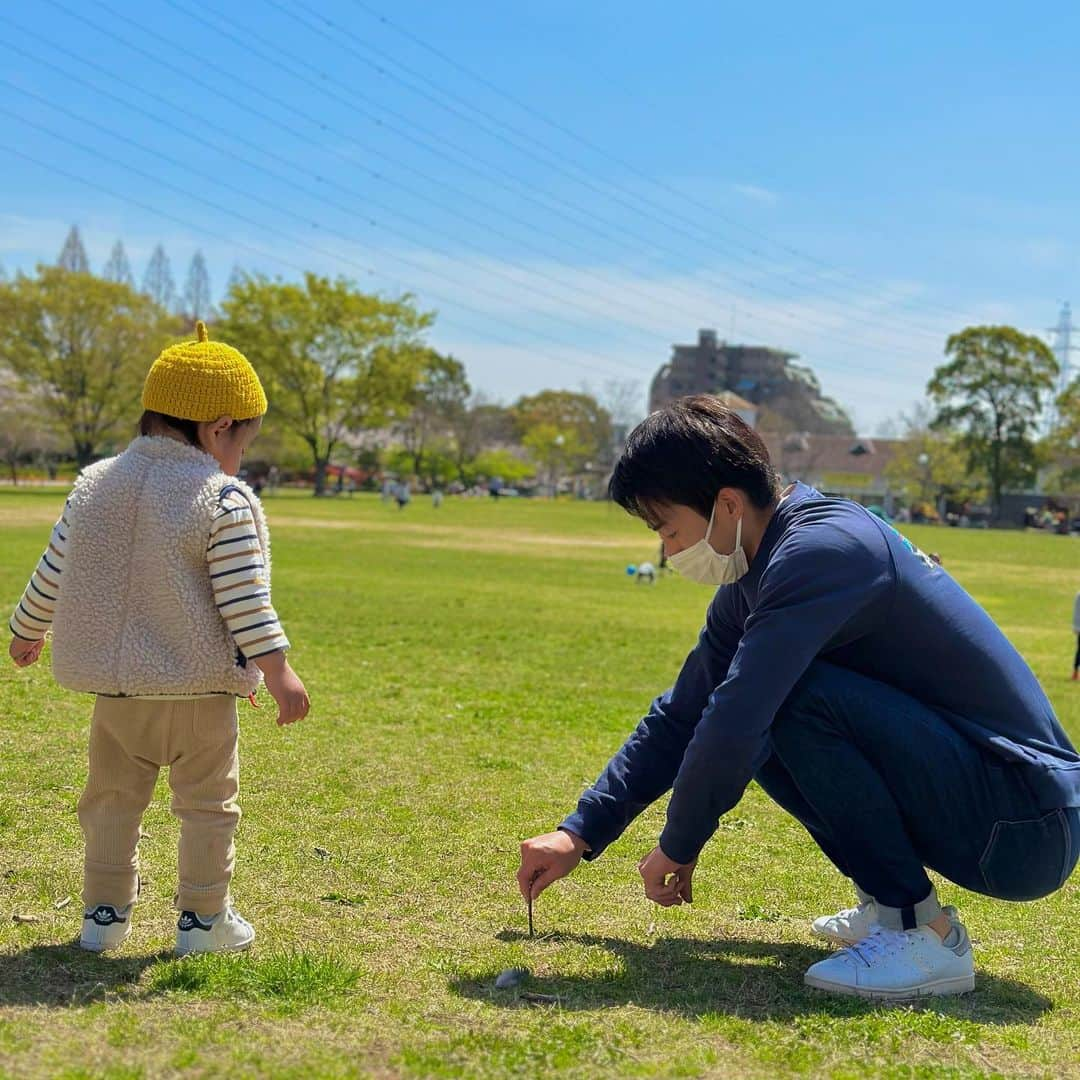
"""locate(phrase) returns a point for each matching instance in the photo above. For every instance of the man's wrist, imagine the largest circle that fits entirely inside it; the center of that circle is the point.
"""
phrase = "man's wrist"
(678, 852)
(581, 845)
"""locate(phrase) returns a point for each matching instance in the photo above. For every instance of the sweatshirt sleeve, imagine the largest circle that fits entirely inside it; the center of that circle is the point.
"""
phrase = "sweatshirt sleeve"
(33, 615)
(820, 589)
(239, 579)
(645, 766)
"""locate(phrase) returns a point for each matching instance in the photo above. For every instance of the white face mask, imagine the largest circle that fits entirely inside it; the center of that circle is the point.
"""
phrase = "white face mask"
(703, 564)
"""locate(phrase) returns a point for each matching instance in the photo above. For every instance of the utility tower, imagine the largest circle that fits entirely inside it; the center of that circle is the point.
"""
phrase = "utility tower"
(1063, 350)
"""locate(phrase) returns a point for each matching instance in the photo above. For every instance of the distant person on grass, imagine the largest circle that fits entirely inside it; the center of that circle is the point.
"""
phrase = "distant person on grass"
(156, 586)
(866, 692)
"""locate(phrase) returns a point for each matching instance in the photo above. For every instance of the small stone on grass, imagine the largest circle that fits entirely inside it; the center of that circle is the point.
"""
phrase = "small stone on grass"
(510, 978)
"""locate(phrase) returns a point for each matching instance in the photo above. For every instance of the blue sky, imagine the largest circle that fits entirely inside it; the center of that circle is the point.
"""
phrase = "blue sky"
(573, 186)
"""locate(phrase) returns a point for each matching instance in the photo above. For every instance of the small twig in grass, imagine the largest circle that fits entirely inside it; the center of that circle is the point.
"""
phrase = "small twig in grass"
(532, 881)
(538, 999)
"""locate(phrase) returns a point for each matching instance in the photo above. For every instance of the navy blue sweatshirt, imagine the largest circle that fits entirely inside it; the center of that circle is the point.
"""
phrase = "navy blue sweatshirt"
(830, 581)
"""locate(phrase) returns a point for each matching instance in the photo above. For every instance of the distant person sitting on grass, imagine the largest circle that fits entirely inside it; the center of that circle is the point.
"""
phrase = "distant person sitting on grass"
(156, 586)
(865, 691)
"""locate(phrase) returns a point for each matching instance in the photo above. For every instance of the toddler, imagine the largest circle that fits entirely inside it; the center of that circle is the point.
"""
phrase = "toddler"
(156, 589)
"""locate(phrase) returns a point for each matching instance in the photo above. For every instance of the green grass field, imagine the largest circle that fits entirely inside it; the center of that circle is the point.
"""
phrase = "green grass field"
(471, 670)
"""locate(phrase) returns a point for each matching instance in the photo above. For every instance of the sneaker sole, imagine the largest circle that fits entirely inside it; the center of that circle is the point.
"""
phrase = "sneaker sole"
(222, 948)
(963, 984)
(100, 947)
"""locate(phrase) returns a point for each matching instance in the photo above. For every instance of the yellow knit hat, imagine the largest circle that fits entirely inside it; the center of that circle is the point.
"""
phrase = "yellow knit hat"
(202, 380)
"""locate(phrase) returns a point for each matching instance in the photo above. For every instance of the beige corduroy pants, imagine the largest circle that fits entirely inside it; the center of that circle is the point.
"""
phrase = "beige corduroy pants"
(131, 739)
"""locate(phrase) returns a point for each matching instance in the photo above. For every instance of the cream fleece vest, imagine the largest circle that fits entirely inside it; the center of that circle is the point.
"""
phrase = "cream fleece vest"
(136, 613)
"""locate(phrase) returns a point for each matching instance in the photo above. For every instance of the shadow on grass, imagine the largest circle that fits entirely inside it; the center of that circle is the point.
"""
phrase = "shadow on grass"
(62, 975)
(755, 980)
(67, 976)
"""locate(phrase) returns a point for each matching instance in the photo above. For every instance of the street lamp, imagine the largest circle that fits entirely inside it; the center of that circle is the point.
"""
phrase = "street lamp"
(924, 460)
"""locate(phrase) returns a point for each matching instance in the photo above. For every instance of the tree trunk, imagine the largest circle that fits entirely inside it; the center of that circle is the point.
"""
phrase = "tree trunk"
(995, 478)
(84, 454)
(320, 475)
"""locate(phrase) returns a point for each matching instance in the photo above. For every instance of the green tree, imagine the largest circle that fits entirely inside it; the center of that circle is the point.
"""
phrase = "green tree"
(563, 431)
(992, 391)
(481, 426)
(928, 465)
(438, 464)
(435, 405)
(1062, 447)
(24, 429)
(335, 360)
(82, 345)
(559, 452)
(505, 464)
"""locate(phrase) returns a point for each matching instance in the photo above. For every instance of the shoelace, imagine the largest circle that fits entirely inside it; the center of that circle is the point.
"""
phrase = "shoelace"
(881, 943)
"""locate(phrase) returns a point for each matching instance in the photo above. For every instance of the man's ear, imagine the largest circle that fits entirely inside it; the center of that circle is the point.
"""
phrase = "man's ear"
(732, 501)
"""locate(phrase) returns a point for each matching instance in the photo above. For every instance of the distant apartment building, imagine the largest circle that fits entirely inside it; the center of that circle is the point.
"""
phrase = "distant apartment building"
(786, 394)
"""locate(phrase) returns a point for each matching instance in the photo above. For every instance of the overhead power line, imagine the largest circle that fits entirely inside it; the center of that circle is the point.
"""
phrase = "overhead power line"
(800, 320)
(713, 212)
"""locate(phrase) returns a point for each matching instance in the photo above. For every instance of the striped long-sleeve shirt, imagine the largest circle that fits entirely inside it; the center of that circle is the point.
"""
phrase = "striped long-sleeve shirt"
(237, 575)
(34, 615)
(239, 579)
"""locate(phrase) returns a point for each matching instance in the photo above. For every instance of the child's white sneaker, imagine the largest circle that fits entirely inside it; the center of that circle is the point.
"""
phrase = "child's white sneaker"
(227, 931)
(104, 927)
(898, 965)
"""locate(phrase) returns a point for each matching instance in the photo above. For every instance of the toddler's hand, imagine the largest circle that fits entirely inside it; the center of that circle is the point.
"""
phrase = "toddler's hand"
(25, 653)
(288, 691)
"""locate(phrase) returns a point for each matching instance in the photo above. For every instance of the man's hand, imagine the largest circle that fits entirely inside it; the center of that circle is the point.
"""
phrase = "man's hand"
(667, 883)
(25, 653)
(285, 687)
(547, 858)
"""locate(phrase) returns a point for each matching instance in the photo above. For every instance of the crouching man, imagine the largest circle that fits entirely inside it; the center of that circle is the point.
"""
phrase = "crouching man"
(864, 690)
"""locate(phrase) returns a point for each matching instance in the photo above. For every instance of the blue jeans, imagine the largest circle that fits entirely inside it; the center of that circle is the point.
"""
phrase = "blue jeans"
(887, 787)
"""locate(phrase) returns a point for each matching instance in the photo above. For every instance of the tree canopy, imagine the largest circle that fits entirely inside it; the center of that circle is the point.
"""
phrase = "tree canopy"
(84, 345)
(992, 392)
(334, 359)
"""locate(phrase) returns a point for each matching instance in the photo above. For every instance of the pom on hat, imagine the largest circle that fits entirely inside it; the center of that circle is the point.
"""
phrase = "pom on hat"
(202, 380)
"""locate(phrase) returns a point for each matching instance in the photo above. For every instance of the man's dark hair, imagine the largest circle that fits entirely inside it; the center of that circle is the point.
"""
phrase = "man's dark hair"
(685, 453)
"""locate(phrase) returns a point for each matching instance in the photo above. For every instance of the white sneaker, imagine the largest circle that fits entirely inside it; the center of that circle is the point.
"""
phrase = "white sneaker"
(104, 927)
(851, 925)
(227, 931)
(896, 965)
